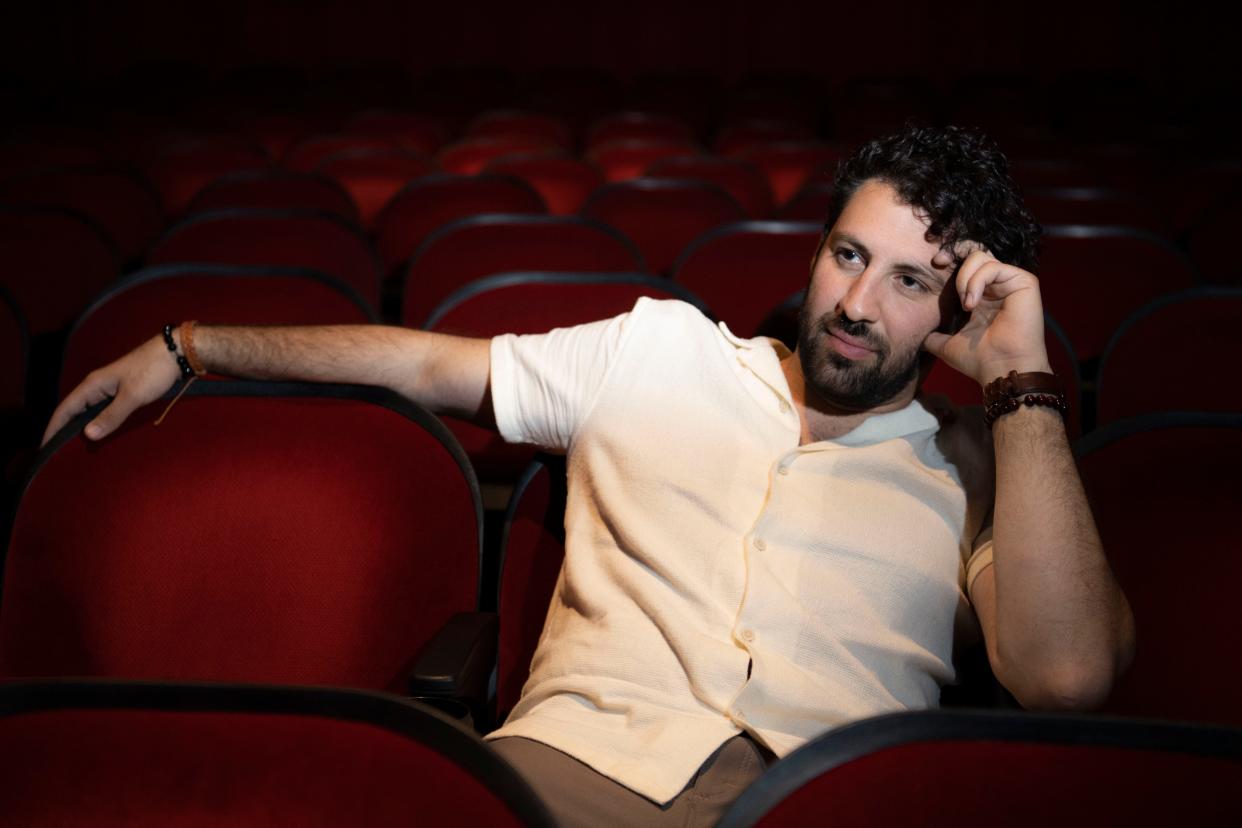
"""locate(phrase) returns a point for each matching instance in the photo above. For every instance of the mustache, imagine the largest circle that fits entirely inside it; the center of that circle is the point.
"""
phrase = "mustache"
(854, 328)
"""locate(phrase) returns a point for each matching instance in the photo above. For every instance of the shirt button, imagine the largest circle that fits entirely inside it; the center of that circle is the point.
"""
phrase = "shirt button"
(784, 407)
(748, 635)
(760, 545)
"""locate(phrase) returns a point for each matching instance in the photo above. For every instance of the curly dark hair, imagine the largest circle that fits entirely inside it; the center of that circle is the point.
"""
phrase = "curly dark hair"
(957, 178)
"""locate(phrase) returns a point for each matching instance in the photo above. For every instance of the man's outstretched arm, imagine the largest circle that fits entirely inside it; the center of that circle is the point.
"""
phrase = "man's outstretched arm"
(446, 374)
(1058, 628)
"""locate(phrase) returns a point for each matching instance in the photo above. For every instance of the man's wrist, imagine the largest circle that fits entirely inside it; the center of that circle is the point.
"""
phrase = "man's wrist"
(993, 371)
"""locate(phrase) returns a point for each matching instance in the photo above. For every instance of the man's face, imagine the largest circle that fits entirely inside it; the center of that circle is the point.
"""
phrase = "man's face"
(875, 295)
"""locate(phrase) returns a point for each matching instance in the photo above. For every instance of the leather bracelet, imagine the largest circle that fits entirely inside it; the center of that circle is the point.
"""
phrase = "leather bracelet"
(1004, 395)
(182, 362)
(187, 345)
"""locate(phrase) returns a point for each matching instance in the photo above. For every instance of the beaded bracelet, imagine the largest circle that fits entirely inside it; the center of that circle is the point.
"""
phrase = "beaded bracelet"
(182, 362)
(1004, 395)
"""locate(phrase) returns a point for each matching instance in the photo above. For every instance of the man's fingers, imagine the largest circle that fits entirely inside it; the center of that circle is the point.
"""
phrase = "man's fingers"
(935, 342)
(108, 420)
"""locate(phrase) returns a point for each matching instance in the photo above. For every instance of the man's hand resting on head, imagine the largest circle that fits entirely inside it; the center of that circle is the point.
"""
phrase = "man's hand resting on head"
(1005, 331)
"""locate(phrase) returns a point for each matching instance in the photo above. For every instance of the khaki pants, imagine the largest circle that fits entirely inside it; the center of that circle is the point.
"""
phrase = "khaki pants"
(577, 795)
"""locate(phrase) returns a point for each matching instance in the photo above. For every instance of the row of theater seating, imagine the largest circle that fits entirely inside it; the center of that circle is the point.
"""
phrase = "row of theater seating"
(278, 534)
(332, 535)
(88, 753)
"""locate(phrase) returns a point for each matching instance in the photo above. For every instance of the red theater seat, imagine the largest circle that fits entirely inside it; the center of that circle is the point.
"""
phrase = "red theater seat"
(125, 206)
(288, 238)
(470, 155)
(53, 262)
(1092, 278)
(417, 132)
(563, 182)
(738, 138)
(790, 165)
(743, 271)
(1183, 339)
(515, 123)
(626, 159)
(1164, 494)
(372, 177)
(742, 180)
(662, 215)
(472, 248)
(638, 126)
(964, 768)
(305, 155)
(183, 168)
(429, 203)
(139, 305)
(276, 189)
(264, 532)
(84, 753)
(1094, 205)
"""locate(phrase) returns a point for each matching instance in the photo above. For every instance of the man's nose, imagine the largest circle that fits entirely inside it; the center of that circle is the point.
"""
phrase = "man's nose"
(860, 300)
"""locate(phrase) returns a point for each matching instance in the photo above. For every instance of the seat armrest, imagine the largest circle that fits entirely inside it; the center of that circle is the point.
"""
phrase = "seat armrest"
(458, 663)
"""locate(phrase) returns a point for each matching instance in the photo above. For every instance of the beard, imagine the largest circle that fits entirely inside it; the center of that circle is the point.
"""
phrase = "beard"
(854, 385)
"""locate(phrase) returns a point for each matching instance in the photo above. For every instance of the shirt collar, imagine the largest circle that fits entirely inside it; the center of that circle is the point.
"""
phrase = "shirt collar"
(763, 356)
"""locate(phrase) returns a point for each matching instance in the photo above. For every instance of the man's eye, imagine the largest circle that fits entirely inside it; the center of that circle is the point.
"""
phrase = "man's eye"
(912, 283)
(845, 253)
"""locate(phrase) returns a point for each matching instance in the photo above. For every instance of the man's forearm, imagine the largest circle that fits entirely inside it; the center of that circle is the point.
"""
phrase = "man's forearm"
(1064, 630)
(444, 373)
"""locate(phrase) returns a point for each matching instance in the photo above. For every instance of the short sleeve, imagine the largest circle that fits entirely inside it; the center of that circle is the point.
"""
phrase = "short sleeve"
(543, 385)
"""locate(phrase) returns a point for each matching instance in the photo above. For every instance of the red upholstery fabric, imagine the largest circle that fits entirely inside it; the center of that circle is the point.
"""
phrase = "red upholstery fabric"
(662, 216)
(473, 248)
(563, 182)
(1165, 501)
(979, 783)
(810, 203)
(738, 138)
(1092, 279)
(512, 123)
(372, 177)
(429, 203)
(276, 189)
(470, 155)
(288, 238)
(638, 126)
(1085, 205)
(1211, 244)
(623, 160)
(140, 307)
(743, 272)
(305, 155)
(533, 551)
(414, 131)
(297, 540)
(740, 179)
(184, 168)
(1183, 341)
(195, 768)
(789, 165)
(54, 263)
(123, 205)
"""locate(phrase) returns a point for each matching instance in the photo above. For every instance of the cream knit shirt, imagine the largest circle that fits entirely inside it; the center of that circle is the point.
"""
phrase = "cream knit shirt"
(719, 577)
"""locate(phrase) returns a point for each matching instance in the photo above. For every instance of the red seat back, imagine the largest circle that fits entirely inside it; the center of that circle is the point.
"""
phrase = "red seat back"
(428, 204)
(963, 768)
(1164, 494)
(623, 160)
(472, 248)
(1182, 339)
(262, 533)
(1092, 278)
(283, 238)
(139, 306)
(470, 155)
(744, 271)
(79, 753)
(54, 263)
(276, 189)
(183, 168)
(373, 176)
(662, 216)
(740, 179)
(563, 182)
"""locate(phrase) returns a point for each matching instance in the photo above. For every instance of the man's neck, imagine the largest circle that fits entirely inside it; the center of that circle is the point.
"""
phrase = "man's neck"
(821, 420)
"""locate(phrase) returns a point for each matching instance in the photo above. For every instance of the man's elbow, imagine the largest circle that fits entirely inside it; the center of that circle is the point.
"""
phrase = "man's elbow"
(1083, 684)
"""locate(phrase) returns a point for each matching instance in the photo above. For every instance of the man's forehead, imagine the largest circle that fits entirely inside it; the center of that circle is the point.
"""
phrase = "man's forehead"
(876, 217)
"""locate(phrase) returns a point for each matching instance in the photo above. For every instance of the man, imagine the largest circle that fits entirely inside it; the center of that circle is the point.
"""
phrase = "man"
(762, 545)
